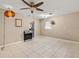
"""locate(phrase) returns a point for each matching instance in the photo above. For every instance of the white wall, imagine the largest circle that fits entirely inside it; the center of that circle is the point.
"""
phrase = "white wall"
(14, 34)
(66, 27)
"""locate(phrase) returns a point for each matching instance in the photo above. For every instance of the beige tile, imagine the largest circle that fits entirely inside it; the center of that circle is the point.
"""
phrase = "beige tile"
(42, 47)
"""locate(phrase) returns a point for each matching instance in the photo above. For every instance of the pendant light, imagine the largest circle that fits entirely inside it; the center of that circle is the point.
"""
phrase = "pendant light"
(9, 13)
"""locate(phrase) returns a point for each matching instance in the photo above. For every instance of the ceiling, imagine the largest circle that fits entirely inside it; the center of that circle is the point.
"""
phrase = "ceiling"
(57, 7)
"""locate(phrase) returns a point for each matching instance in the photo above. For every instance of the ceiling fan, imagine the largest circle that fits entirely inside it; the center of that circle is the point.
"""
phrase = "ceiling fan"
(33, 6)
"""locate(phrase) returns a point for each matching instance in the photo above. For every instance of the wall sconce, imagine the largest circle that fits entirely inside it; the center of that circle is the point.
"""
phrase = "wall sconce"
(52, 22)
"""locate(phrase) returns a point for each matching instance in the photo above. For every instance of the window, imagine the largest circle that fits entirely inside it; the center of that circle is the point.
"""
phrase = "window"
(48, 25)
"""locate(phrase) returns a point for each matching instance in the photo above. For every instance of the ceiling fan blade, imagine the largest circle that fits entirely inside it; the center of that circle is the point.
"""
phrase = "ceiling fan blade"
(26, 3)
(24, 8)
(39, 9)
(38, 4)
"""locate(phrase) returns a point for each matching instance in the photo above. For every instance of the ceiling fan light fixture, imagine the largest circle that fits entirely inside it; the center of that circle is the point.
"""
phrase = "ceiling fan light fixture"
(33, 6)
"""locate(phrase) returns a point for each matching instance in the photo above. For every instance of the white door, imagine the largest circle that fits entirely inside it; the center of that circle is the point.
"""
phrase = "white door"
(1, 27)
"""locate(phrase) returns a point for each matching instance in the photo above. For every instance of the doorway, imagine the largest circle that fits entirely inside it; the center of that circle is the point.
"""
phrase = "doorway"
(32, 28)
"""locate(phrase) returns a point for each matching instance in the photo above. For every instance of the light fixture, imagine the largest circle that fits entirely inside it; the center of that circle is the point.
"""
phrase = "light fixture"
(52, 22)
(46, 15)
(9, 13)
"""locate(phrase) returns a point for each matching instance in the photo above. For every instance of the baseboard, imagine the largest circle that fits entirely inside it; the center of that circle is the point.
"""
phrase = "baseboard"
(10, 44)
(70, 41)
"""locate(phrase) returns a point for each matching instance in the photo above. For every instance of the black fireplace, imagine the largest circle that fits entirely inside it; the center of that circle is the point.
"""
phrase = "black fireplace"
(27, 35)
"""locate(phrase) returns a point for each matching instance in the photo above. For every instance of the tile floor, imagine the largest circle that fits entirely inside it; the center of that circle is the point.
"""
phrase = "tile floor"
(42, 47)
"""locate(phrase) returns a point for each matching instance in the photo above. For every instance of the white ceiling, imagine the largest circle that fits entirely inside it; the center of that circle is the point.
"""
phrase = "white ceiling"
(58, 7)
